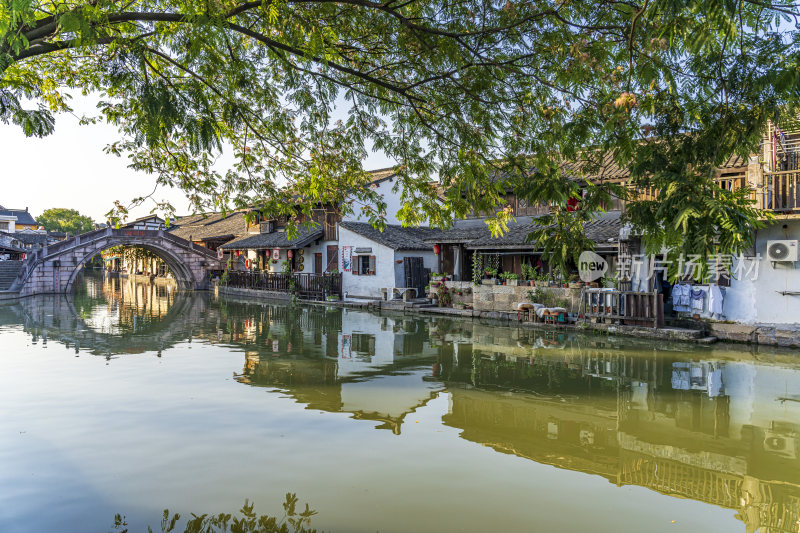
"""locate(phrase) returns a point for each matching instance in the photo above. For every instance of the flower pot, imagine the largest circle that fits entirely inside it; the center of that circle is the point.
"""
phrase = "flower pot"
(512, 282)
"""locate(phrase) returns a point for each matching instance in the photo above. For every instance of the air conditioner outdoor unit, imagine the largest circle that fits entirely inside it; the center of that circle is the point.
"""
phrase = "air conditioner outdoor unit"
(782, 250)
(779, 444)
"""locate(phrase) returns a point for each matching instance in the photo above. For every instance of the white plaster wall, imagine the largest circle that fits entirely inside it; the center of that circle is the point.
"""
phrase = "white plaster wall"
(358, 285)
(321, 248)
(355, 322)
(11, 220)
(758, 301)
(393, 204)
(388, 333)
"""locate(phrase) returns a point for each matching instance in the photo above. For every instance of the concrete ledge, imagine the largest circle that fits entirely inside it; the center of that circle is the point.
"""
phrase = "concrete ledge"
(672, 334)
(253, 293)
(764, 334)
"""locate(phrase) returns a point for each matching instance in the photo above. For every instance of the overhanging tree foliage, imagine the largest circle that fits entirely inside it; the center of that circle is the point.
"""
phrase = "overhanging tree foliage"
(488, 96)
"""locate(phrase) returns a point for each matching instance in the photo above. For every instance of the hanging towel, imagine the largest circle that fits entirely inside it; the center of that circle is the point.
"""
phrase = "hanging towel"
(715, 299)
(681, 297)
(698, 299)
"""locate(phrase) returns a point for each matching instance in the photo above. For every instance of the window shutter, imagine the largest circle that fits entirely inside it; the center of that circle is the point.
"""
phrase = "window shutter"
(355, 265)
(372, 265)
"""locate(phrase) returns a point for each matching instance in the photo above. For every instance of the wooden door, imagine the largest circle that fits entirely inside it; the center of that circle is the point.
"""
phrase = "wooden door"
(415, 275)
(318, 263)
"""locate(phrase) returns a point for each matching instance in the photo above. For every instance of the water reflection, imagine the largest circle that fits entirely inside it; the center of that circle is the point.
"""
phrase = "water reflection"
(720, 426)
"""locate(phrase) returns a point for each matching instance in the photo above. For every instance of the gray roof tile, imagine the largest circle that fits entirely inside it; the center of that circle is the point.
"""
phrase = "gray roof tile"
(606, 226)
(23, 216)
(210, 226)
(278, 239)
(394, 236)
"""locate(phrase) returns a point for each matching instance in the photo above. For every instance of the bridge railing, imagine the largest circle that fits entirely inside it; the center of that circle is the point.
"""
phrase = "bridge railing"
(127, 232)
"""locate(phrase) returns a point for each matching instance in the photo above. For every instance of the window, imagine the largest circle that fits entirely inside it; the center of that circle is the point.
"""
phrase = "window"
(364, 265)
(363, 343)
(3, 226)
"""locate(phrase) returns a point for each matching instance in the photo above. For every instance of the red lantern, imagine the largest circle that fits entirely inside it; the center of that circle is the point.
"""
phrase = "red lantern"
(290, 254)
(436, 249)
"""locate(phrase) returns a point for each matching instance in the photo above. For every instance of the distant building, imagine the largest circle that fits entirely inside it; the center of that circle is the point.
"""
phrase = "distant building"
(150, 222)
(13, 220)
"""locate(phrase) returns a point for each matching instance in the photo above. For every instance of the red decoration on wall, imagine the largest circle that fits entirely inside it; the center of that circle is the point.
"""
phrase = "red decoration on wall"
(436, 249)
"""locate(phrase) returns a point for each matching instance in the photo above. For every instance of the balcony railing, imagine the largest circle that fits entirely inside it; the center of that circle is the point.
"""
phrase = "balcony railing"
(306, 286)
(780, 191)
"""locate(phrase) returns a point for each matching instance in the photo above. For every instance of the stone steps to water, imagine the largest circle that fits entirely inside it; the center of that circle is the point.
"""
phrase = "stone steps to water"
(8, 273)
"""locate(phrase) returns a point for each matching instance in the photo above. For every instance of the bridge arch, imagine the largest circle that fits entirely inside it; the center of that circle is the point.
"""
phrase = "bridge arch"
(183, 276)
(53, 269)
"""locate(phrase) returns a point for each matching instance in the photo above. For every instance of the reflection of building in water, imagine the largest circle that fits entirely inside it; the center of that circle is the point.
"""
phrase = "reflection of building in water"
(724, 433)
(361, 365)
(131, 306)
(111, 317)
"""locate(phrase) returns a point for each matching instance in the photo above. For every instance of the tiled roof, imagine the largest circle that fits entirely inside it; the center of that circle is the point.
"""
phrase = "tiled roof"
(606, 226)
(278, 239)
(609, 170)
(210, 226)
(462, 231)
(27, 237)
(382, 174)
(11, 248)
(23, 216)
(394, 236)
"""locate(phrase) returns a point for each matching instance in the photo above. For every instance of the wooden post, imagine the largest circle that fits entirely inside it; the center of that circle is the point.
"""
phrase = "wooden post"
(655, 309)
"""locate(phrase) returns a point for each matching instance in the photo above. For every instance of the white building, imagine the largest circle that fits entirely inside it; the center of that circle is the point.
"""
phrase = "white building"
(766, 291)
(371, 262)
(375, 261)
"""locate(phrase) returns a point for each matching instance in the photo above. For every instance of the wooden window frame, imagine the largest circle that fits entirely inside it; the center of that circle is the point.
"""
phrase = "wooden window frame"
(371, 265)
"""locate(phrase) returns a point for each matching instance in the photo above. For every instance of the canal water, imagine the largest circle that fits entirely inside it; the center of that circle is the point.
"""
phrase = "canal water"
(132, 398)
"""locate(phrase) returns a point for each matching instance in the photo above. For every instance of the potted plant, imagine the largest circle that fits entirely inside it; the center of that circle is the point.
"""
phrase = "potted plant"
(490, 276)
(512, 279)
(528, 275)
(609, 282)
(575, 282)
(443, 296)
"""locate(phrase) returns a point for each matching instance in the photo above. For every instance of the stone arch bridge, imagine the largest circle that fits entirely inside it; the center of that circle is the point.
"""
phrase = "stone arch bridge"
(54, 268)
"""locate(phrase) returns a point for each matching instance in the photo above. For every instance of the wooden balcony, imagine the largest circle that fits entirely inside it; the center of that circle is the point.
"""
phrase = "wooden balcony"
(779, 192)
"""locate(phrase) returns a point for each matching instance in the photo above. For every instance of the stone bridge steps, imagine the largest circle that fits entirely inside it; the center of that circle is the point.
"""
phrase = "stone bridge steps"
(8, 273)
